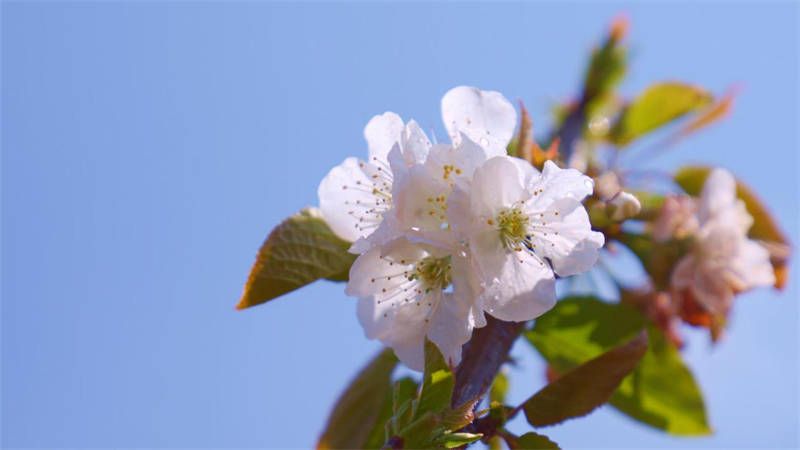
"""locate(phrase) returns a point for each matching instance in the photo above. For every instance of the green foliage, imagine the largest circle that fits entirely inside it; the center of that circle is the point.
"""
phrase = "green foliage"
(426, 420)
(534, 441)
(658, 105)
(300, 250)
(499, 389)
(585, 387)
(363, 406)
(606, 68)
(437, 382)
(405, 393)
(453, 440)
(660, 392)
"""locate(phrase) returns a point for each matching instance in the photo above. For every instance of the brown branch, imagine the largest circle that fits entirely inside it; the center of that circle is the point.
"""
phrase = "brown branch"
(483, 355)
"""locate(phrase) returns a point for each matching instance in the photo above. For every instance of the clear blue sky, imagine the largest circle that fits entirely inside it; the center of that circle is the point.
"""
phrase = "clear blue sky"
(148, 148)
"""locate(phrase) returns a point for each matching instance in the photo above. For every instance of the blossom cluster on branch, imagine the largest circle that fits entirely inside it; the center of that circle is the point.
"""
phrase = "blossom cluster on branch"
(452, 249)
(448, 232)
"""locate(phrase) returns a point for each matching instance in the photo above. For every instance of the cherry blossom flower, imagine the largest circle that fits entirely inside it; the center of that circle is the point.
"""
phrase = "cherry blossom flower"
(456, 230)
(409, 291)
(522, 228)
(722, 261)
(415, 279)
(355, 195)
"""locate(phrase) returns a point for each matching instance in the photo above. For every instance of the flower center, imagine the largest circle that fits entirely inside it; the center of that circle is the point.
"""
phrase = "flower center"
(513, 227)
(433, 273)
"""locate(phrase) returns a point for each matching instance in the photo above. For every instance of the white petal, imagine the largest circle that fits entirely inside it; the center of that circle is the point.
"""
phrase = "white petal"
(486, 117)
(387, 231)
(564, 235)
(752, 265)
(347, 201)
(459, 213)
(556, 183)
(411, 350)
(517, 285)
(415, 144)
(392, 308)
(496, 185)
(682, 274)
(466, 286)
(528, 173)
(420, 200)
(719, 192)
(711, 289)
(718, 201)
(381, 133)
(455, 165)
(383, 276)
(404, 331)
(450, 327)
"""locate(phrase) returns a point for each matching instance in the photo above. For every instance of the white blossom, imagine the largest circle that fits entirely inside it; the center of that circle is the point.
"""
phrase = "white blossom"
(447, 232)
(409, 291)
(356, 195)
(522, 228)
(416, 278)
(723, 261)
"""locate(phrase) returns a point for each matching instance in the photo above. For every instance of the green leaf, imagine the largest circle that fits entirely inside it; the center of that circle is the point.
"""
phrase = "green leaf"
(379, 433)
(457, 418)
(431, 417)
(422, 432)
(534, 441)
(405, 391)
(765, 228)
(499, 388)
(658, 105)
(361, 407)
(661, 392)
(437, 383)
(300, 250)
(606, 68)
(582, 389)
(453, 440)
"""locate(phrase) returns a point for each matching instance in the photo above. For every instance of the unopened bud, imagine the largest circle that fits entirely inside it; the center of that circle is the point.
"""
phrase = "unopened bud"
(619, 27)
(623, 206)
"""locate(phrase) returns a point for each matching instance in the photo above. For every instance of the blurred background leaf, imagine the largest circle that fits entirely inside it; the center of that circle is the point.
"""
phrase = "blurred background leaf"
(531, 440)
(658, 105)
(660, 392)
(362, 408)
